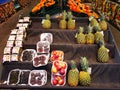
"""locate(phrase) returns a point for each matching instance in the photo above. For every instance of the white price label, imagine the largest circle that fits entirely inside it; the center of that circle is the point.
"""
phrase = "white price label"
(43, 21)
(89, 70)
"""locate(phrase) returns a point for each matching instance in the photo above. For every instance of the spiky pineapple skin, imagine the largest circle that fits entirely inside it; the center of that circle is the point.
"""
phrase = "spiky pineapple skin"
(103, 55)
(98, 37)
(73, 77)
(62, 24)
(81, 38)
(94, 22)
(71, 24)
(90, 38)
(47, 24)
(103, 25)
(84, 78)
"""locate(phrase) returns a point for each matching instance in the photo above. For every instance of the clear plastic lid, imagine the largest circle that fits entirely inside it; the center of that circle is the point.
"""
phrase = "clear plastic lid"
(25, 25)
(19, 25)
(46, 37)
(26, 19)
(10, 44)
(41, 60)
(28, 55)
(57, 80)
(19, 43)
(7, 50)
(14, 57)
(59, 68)
(57, 55)
(37, 78)
(6, 58)
(11, 37)
(14, 31)
(43, 47)
(21, 20)
(16, 50)
(20, 32)
(20, 37)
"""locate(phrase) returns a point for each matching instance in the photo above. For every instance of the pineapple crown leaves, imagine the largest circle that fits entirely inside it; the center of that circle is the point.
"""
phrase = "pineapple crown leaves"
(47, 16)
(84, 63)
(90, 18)
(101, 43)
(89, 29)
(102, 17)
(64, 14)
(69, 15)
(73, 64)
(81, 30)
(97, 28)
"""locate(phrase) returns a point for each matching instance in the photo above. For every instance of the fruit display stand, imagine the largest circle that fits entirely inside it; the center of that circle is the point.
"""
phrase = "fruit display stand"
(104, 75)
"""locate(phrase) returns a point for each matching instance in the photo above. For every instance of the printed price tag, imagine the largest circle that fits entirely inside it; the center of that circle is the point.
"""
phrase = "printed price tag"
(89, 70)
(43, 21)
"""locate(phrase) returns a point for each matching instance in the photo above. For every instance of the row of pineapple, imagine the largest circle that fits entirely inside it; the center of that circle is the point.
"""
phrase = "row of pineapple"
(89, 37)
(76, 77)
(67, 22)
(63, 23)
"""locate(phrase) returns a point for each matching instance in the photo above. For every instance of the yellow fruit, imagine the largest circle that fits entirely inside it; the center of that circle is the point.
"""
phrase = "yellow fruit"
(54, 69)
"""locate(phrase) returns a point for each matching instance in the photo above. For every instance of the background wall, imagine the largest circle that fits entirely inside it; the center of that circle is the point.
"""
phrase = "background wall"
(3, 1)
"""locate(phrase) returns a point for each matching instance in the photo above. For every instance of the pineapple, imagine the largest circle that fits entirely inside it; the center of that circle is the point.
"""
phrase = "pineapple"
(93, 21)
(84, 76)
(73, 75)
(47, 23)
(63, 22)
(90, 36)
(71, 22)
(80, 37)
(103, 55)
(98, 35)
(103, 23)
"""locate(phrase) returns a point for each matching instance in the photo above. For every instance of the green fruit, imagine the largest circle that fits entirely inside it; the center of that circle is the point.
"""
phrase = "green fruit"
(90, 37)
(94, 22)
(73, 75)
(47, 23)
(80, 37)
(63, 22)
(84, 78)
(103, 55)
(98, 35)
(71, 22)
(103, 25)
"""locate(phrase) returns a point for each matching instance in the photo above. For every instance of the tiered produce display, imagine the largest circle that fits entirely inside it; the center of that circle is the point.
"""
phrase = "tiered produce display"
(53, 56)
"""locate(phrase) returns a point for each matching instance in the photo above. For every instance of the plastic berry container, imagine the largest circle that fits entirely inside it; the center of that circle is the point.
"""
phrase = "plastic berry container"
(28, 55)
(57, 80)
(59, 68)
(13, 77)
(40, 60)
(37, 78)
(43, 47)
(46, 37)
(57, 55)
